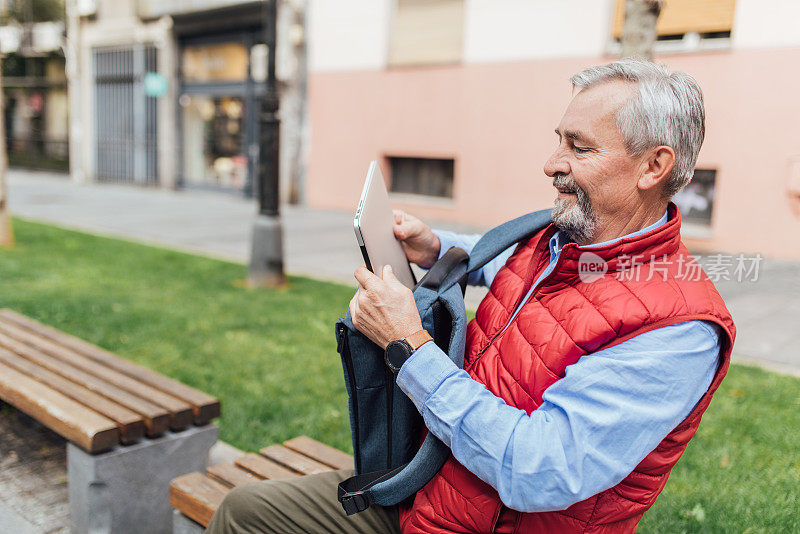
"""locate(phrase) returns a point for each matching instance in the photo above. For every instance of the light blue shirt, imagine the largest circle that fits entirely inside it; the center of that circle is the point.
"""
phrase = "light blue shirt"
(595, 425)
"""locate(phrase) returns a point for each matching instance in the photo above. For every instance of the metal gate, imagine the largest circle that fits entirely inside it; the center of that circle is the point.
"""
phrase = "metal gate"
(126, 119)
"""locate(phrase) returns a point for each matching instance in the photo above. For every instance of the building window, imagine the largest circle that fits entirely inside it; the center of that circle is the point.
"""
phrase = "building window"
(685, 25)
(426, 32)
(696, 200)
(215, 62)
(422, 176)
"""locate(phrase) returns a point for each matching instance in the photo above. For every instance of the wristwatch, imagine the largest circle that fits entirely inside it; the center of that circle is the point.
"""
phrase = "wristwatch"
(398, 351)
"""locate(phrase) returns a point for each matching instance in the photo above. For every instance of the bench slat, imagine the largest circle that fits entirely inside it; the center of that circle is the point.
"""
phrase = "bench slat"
(320, 452)
(204, 407)
(77, 423)
(294, 460)
(189, 493)
(263, 467)
(196, 496)
(181, 415)
(156, 418)
(130, 424)
(230, 475)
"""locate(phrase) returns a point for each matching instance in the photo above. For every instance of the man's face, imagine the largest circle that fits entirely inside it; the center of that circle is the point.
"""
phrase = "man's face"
(593, 173)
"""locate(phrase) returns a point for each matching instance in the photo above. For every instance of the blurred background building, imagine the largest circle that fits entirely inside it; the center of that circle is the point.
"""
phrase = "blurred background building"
(35, 86)
(458, 99)
(165, 92)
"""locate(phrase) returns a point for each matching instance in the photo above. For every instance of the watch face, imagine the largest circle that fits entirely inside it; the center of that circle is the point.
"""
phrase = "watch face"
(397, 352)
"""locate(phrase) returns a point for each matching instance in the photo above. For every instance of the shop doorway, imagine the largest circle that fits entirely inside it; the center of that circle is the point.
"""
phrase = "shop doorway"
(217, 97)
(214, 142)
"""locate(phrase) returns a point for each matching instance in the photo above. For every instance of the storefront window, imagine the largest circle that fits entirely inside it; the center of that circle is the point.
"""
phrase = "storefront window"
(223, 62)
(214, 151)
(217, 89)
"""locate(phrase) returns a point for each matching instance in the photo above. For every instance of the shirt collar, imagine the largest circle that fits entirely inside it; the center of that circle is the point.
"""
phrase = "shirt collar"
(560, 238)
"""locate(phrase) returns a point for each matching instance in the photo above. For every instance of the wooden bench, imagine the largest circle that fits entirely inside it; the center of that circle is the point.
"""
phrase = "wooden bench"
(198, 495)
(111, 411)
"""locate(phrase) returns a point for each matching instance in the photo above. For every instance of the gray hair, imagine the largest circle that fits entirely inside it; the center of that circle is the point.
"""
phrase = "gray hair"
(666, 110)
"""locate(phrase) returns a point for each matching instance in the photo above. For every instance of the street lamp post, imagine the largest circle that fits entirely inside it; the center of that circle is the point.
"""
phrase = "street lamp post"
(266, 258)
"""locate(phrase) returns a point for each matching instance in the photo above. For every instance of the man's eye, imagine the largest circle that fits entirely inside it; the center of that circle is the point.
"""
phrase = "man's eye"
(580, 150)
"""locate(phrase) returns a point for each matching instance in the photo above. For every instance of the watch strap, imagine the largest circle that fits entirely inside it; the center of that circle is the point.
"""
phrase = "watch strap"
(417, 339)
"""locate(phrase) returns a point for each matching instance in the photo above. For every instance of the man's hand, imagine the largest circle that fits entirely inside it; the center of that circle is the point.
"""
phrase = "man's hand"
(383, 310)
(419, 243)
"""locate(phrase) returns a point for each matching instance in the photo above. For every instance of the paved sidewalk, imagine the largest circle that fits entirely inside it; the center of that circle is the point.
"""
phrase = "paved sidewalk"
(320, 243)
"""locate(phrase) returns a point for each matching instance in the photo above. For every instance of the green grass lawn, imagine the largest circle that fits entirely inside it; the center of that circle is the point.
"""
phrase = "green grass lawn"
(270, 357)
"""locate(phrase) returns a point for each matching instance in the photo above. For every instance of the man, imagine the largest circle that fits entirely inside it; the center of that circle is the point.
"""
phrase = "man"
(579, 393)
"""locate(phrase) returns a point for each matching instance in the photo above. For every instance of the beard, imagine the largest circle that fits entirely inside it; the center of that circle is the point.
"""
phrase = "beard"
(578, 219)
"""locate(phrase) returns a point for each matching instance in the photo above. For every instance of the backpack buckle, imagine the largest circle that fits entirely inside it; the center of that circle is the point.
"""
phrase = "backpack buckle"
(355, 501)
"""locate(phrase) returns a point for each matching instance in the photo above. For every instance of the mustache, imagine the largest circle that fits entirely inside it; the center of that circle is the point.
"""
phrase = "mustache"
(564, 181)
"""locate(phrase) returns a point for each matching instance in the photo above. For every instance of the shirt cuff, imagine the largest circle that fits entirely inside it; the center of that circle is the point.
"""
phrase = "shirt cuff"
(423, 373)
(446, 240)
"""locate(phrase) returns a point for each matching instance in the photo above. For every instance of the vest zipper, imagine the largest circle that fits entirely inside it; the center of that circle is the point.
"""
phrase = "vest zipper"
(519, 302)
(555, 268)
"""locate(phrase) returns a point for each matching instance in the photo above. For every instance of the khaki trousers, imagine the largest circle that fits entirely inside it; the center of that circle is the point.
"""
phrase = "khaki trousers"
(302, 505)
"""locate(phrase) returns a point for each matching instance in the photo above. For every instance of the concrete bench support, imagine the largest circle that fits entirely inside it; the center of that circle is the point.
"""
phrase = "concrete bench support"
(126, 490)
(183, 525)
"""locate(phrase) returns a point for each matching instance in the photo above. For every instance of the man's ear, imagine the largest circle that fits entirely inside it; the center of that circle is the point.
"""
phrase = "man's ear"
(658, 165)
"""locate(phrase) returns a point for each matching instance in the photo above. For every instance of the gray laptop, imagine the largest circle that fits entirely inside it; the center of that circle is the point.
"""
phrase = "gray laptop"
(373, 225)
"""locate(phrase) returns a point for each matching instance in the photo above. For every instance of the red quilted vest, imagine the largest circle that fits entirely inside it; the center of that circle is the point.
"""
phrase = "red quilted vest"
(564, 319)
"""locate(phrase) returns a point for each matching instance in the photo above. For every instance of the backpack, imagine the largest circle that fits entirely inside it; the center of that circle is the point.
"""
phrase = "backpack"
(385, 426)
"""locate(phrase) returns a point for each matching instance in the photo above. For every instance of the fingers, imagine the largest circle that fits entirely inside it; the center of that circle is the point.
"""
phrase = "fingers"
(364, 276)
(388, 275)
(353, 303)
(367, 279)
(385, 310)
(354, 310)
(399, 227)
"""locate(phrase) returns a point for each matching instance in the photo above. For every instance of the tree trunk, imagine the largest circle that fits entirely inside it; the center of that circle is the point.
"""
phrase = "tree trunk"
(6, 234)
(639, 29)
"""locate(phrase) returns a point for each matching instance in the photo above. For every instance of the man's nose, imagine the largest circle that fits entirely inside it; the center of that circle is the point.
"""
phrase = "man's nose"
(556, 164)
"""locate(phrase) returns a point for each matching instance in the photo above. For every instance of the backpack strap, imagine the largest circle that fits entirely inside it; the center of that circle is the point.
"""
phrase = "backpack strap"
(442, 269)
(496, 240)
(391, 486)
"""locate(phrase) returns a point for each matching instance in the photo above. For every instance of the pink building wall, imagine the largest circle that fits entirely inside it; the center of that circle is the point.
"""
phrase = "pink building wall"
(497, 120)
